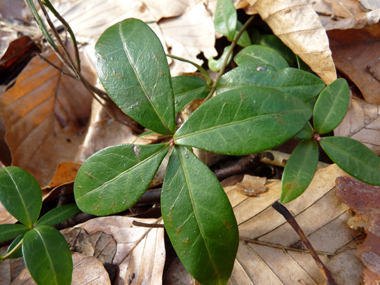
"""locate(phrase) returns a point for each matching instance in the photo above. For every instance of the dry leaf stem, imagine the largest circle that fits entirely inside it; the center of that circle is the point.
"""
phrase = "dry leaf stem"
(290, 219)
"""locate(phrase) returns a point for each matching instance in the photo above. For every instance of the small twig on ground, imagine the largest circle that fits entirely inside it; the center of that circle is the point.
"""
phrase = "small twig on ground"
(290, 219)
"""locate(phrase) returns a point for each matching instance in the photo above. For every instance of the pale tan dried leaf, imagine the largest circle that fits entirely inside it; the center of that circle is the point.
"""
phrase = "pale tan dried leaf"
(140, 251)
(87, 270)
(187, 36)
(45, 113)
(169, 8)
(271, 252)
(298, 26)
(9, 268)
(251, 185)
(5, 217)
(370, 4)
(362, 123)
(359, 21)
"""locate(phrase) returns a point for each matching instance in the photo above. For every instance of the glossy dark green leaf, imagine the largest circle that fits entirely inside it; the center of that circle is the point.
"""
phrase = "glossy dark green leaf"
(216, 64)
(113, 179)
(306, 133)
(58, 215)
(244, 39)
(274, 42)
(15, 242)
(244, 121)
(47, 256)
(331, 106)
(20, 194)
(199, 218)
(225, 18)
(133, 69)
(299, 170)
(299, 83)
(187, 89)
(8, 231)
(354, 158)
(261, 56)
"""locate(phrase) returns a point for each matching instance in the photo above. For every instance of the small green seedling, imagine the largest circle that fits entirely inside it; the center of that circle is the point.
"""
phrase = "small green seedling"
(45, 250)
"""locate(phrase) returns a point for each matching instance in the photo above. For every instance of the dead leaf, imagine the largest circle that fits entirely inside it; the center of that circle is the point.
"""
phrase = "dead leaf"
(362, 123)
(356, 53)
(140, 251)
(5, 217)
(364, 199)
(45, 114)
(169, 8)
(370, 4)
(188, 35)
(9, 268)
(298, 26)
(359, 21)
(270, 250)
(251, 185)
(65, 174)
(88, 270)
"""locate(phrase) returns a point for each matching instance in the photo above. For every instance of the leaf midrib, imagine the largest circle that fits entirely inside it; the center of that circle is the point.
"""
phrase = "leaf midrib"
(196, 214)
(233, 123)
(121, 174)
(139, 79)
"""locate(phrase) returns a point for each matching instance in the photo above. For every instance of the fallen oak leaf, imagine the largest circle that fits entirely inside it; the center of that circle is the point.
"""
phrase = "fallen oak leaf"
(299, 27)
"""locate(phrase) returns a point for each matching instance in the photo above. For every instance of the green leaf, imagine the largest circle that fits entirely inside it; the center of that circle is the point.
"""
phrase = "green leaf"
(198, 218)
(354, 158)
(276, 44)
(302, 65)
(15, 242)
(261, 56)
(216, 65)
(244, 121)
(20, 194)
(133, 69)
(47, 256)
(187, 89)
(225, 18)
(244, 39)
(299, 170)
(113, 179)
(58, 215)
(8, 231)
(331, 106)
(306, 133)
(299, 83)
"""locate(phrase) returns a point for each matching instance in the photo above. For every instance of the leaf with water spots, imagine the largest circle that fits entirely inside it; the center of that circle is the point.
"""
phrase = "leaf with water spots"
(198, 218)
(132, 67)
(244, 121)
(113, 179)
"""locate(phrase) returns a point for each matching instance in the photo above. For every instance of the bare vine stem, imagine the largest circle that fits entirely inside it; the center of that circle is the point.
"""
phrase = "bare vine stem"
(230, 50)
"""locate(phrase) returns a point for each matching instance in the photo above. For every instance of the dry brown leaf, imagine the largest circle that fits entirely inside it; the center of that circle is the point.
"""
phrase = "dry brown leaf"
(251, 185)
(88, 270)
(10, 268)
(5, 217)
(298, 26)
(45, 114)
(357, 55)
(362, 123)
(169, 8)
(365, 200)
(359, 21)
(140, 251)
(65, 174)
(188, 35)
(370, 4)
(270, 251)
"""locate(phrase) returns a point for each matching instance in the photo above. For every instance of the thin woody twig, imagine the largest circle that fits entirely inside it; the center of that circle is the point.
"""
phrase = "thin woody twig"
(290, 219)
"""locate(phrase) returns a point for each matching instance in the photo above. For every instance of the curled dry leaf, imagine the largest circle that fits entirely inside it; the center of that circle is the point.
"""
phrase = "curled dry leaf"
(65, 174)
(252, 185)
(298, 26)
(365, 200)
(45, 113)
(356, 54)
(140, 251)
(270, 250)
(362, 123)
